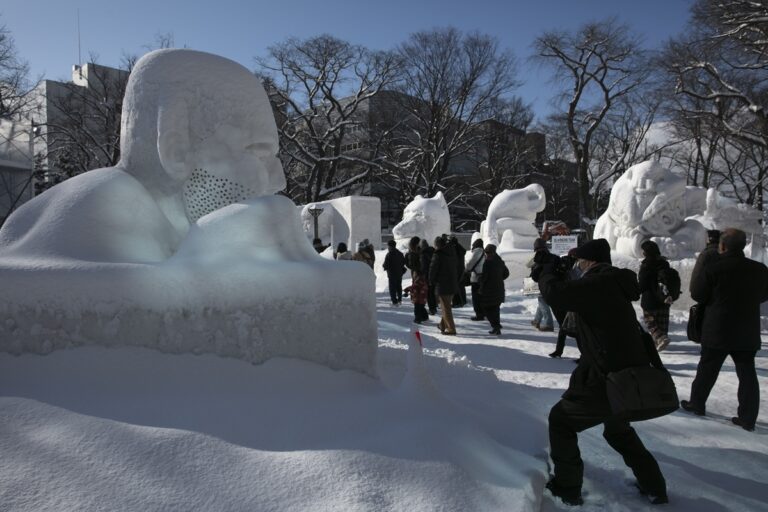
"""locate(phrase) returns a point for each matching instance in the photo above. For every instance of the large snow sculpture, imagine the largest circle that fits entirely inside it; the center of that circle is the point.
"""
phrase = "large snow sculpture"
(424, 217)
(182, 246)
(649, 202)
(348, 219)
(722, 212)
(511, 217)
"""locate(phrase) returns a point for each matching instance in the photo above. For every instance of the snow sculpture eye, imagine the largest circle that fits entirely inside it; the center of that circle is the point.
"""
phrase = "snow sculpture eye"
(204, 193)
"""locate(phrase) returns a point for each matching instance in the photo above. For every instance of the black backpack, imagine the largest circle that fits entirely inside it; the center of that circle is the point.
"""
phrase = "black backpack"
(668, 284)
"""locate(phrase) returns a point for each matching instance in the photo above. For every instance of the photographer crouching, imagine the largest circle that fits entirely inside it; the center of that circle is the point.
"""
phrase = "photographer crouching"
(610, 340)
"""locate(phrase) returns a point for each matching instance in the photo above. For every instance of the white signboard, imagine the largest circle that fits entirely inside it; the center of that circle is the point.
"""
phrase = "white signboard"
(562, 244)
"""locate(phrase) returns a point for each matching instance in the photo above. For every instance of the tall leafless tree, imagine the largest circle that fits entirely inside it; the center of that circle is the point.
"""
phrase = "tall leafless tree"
(598, 65)
(720, 68)
(14, 79)
(321, 87)
(449, 81)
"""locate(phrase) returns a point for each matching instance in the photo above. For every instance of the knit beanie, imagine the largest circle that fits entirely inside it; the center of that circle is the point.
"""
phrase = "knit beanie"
(595, 250)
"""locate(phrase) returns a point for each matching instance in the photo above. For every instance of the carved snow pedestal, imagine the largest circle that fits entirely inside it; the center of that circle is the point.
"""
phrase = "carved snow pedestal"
(183, 246)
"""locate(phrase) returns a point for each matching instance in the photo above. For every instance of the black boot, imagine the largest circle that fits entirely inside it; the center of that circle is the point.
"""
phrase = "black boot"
(568, 495)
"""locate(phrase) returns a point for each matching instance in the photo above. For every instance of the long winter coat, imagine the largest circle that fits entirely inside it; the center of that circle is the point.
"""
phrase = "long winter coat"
(443, 273)
(426, 259)
(707, 256)
(394, 263)
(732, 289)
(606, 325)
(648, 279)
(413, 262)
(492, 278)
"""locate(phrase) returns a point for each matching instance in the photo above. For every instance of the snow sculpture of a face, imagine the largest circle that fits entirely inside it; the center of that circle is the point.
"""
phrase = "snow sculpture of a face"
(208, 122)
(649, 202)
(514, 210)
(424, 217)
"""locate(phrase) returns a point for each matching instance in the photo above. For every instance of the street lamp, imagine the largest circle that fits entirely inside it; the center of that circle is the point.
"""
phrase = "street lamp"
(315, 213)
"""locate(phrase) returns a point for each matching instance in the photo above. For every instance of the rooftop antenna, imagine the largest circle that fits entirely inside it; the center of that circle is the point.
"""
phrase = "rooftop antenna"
(79, 57)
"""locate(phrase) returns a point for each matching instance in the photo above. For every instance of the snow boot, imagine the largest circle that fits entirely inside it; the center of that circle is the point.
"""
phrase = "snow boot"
(655, 499)
(568, 495)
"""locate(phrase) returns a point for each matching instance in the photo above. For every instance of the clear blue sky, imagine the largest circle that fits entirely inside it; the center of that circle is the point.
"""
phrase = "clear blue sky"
(46, 30)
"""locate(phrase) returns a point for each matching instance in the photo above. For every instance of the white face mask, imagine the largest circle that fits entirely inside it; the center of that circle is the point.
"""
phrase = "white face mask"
(204, 193)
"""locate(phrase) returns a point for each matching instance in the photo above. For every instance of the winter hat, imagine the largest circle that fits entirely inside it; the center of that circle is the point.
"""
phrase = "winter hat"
(539, 244)
(595, 250)
(477, 244)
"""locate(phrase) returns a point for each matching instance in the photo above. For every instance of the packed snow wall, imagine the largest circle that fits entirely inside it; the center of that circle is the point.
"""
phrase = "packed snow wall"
(183, 246)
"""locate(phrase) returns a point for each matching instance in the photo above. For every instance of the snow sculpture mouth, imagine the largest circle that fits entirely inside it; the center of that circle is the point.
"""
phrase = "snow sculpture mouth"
(205, 192)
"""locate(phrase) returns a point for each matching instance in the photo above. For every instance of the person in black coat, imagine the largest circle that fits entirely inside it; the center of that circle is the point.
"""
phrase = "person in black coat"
(460, 299)
(443, 277)
(426, 260)
(492, 291)
(394, 265)
(610, 340)
(732, 289)
(542, 320)
(655, 310)
(707, 256)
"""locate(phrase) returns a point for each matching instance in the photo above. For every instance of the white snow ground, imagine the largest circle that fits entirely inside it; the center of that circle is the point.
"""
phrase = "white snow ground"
(464, 429)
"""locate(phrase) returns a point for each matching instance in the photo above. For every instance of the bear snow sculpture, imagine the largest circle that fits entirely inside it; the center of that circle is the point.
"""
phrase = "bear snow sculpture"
(511, 216)
(425, 218)
(649, 202)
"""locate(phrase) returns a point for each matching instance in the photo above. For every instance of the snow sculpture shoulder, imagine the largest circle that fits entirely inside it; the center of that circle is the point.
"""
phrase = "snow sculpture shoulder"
(649, 202)
(424, 217)
(511, 216)
(182, 245)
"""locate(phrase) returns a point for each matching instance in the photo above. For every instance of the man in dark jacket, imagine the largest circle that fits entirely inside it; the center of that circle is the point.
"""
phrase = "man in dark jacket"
(426, 260)
(542, 320)
(655, 310)
(443, 277)
(707, 256)
(394, 265)
(492, 290)
(460, 299)
(610, 340)
(732, 289)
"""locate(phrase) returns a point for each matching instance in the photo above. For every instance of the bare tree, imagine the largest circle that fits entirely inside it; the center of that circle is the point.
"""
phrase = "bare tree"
(720, 65)
(449, 81)
(321, 88)
(14, 79)
(502, 157)
(621, 141)
(598, 65)
(83, 124)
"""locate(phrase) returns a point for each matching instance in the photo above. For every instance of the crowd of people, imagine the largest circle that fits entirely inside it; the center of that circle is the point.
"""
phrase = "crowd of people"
(592, 301)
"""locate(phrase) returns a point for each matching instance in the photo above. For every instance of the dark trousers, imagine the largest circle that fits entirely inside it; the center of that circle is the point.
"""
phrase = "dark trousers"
(567, 418)
(706, 374)
(476, 301)
(420, 312)
(431, 300)
(460, 298)
(492, 313)
(396, 289)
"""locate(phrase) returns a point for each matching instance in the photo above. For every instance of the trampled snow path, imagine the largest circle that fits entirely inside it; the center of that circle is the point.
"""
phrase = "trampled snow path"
(132, 429)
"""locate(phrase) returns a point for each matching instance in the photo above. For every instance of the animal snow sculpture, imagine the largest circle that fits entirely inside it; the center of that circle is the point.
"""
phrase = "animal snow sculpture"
(722, 212)
(649, 202)
(512, 213)
(182, 246)
(424, 217)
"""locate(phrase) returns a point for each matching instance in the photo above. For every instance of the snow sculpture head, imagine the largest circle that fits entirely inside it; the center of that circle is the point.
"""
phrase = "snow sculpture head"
(649, 202)
(514, 211)
(202, 125)
(423, 217)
